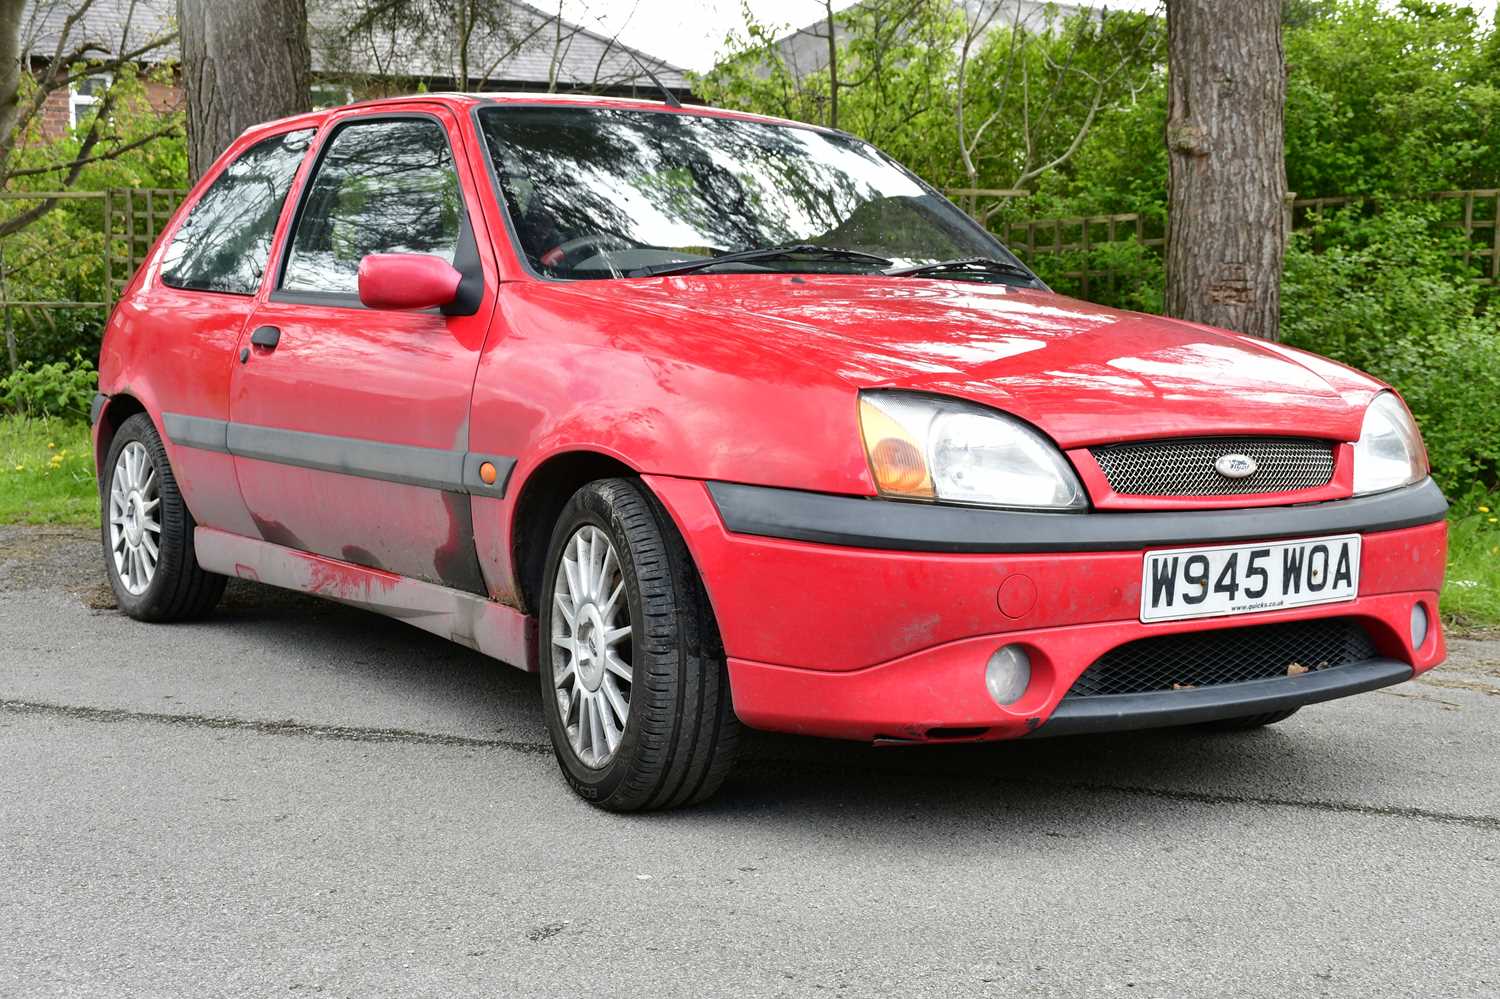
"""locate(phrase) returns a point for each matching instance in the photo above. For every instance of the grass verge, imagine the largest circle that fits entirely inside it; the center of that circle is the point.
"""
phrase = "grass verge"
(47, 477)
(1472, 594)
(46, 472)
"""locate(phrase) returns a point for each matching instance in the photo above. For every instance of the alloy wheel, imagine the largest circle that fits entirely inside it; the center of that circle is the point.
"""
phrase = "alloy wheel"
(134, 518)
(592, 641)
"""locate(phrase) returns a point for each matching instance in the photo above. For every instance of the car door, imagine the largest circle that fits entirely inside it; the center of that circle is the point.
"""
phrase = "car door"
(177, 338)
(349, 425)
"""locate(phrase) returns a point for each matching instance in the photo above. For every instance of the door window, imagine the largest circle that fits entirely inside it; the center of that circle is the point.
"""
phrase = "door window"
(223, 243)
(382, 187)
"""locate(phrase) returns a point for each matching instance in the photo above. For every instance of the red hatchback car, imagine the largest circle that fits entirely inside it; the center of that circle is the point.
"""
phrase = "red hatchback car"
(713, 419)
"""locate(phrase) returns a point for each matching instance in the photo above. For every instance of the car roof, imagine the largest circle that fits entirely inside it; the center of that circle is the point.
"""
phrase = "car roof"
(463, 102)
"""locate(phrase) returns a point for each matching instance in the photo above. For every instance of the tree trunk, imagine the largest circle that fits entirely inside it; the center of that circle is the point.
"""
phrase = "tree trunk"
(243, 62)
(11, 12)
(1226, 231)
(833, 65)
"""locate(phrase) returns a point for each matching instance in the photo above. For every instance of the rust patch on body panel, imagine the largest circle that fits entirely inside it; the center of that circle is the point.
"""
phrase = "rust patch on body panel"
(329, 578)
(276, 532)
(361, 556)
(456, 562)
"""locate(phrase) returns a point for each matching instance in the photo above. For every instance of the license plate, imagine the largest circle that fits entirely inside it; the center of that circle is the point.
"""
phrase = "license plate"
(1243, 579)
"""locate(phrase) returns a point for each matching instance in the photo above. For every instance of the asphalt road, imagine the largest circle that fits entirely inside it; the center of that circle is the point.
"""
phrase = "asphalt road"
(300, 798)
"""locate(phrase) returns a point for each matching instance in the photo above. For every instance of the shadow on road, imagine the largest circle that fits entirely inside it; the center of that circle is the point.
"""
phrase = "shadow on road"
(1317, 759)
(788, 776)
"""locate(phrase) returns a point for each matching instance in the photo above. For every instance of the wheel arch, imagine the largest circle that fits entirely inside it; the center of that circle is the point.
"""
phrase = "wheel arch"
(540, 501)
(117, 409)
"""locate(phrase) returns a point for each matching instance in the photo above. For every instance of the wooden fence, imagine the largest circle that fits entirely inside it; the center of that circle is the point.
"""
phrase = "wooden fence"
(1078, 240)
(128, 221)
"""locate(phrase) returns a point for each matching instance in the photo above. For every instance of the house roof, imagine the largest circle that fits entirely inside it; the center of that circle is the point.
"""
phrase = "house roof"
(536, 48)
(108, 25)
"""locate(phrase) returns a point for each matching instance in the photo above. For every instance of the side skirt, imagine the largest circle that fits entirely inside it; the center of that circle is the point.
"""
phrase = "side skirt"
(498, 631)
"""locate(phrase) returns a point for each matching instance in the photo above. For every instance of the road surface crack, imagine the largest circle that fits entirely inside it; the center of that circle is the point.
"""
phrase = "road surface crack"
(767, 766)
(340, 733)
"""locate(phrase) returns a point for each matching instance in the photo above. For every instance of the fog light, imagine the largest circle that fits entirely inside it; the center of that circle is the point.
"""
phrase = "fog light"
(1419, 625)
(1008, 674)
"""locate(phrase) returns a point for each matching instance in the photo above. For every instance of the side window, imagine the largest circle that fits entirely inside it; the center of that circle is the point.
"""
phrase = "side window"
(381, 187)
(223, 243)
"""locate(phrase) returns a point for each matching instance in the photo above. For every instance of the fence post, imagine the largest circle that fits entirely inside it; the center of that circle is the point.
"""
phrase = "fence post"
(1495, 242)
(129, 232)
(109, 272)
(1086, 261)
(1109, 272)
(1468, 227)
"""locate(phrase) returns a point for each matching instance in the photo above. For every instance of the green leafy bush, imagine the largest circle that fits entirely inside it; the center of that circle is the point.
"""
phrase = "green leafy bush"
(1387, 294)
(1133, 276)
(59, 388)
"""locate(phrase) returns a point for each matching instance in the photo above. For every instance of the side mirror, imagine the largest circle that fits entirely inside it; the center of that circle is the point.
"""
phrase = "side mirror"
(407, 281)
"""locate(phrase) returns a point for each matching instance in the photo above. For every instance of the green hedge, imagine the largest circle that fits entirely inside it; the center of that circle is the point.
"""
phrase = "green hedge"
(1387, 294)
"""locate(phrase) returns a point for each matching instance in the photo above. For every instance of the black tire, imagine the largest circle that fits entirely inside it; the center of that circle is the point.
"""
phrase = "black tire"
(1249, 721)
(179, 590)
(680, 737)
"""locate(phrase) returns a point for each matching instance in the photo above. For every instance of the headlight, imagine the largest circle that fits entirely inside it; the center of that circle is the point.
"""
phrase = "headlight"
(935, 448)
(1390, 452)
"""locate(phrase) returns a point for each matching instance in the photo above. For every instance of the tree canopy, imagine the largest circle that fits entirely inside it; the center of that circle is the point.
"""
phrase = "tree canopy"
(1382, 99)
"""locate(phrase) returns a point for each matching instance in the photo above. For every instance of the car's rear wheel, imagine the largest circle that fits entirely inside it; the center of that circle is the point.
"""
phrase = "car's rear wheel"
(1249, 721)
(634, 686)
(148, 533)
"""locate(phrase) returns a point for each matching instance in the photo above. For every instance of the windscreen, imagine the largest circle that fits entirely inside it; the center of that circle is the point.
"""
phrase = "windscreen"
(609, 193)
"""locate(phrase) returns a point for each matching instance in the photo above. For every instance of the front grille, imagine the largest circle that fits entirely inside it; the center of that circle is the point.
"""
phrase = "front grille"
(1185, 467)
(1230, 655)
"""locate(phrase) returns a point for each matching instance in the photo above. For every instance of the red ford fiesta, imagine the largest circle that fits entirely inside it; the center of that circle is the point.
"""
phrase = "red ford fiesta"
(714, 420)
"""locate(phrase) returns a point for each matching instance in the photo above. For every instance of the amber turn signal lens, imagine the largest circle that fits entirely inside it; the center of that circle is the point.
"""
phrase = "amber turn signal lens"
(898, 465)
(487, 474)
(896, 460)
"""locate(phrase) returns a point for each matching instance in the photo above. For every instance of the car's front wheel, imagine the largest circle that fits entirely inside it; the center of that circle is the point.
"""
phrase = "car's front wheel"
(148, 531)
(634, 685)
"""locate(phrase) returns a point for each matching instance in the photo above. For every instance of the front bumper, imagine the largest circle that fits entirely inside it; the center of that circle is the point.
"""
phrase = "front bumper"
(831, 630)
(1120, 712)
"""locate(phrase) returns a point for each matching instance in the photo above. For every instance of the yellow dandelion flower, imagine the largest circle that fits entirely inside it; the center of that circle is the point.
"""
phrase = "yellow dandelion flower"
(1495, 520)
(20, 468)
(53, 444)
(1484, 509)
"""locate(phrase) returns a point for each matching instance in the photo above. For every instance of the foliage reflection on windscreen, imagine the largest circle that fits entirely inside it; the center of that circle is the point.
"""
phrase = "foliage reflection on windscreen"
(606, 193)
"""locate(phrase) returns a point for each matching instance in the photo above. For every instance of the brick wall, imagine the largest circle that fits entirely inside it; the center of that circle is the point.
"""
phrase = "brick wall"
(55, 116)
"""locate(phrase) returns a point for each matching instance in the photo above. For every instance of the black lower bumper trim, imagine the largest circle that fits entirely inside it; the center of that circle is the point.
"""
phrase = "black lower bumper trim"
(1158, 709)
(862, 522)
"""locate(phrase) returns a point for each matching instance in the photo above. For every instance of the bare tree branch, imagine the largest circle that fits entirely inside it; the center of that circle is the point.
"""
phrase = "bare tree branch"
(72, 59)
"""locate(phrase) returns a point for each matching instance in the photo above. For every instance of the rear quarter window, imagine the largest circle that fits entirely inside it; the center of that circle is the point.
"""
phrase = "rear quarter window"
(225, 241)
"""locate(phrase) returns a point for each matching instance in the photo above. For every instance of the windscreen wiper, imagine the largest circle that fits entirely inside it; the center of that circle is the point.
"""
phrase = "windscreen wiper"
(983, 265)
(764, 253)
